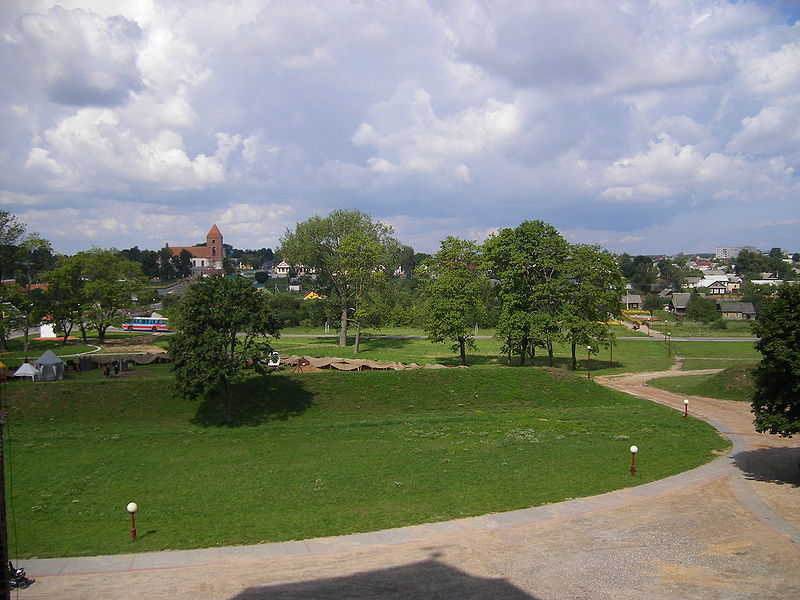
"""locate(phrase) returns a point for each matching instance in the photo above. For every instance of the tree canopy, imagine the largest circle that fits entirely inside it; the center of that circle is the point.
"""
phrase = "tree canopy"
(530, 263)
(776, 402)
(454, 289)
(223, 328)
(316, 243)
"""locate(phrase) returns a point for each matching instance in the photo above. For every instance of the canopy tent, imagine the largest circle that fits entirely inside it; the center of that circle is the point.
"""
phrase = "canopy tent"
(27, 370)
(51, 368)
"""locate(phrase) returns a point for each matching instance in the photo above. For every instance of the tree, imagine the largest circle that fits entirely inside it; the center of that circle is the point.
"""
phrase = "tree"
(109, 286)
(64, 294)
(626, 265)
(776, 401)
(315, 244)
(701, 308)
(362, 264)
(595, 285)
(530, 263)
(11, 319)
(223, 329)
(166, 269)
(644, 273)
(750, 264)
(11, 228)
(453, 288)
(182, 263)
(652, 303)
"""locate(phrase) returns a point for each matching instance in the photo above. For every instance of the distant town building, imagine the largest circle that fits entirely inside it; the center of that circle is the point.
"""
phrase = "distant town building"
(731, 252)
(209, 256)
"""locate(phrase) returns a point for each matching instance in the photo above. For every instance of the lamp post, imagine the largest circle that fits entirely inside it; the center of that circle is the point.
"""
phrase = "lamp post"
(589, 361)
(634, 450)
(131, 508)
(685, 408)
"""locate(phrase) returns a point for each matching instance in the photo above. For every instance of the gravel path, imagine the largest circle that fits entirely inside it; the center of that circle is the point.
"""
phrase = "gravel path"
(727, 530)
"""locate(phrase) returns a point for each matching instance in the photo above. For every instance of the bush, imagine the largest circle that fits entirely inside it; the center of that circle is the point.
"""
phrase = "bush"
(719, 324)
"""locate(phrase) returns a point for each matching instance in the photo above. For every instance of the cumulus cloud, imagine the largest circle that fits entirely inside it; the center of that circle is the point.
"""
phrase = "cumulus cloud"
(83, 59)
(615, 121)
(411, 137)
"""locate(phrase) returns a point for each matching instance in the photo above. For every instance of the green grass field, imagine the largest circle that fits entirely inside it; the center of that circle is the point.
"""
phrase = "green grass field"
(17, 355)
(734, 383)
(318, 454)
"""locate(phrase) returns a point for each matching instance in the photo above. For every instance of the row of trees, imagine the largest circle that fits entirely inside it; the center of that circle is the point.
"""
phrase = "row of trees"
(91, 290)
(542, 289)
(547, 290)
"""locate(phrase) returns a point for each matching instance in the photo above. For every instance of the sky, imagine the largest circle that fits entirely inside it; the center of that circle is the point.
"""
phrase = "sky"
(647, 127)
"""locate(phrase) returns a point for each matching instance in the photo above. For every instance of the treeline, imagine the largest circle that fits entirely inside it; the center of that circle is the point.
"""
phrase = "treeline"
(528, 282)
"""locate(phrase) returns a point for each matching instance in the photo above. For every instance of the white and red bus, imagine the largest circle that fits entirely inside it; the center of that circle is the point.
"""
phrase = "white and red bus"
(149, 324)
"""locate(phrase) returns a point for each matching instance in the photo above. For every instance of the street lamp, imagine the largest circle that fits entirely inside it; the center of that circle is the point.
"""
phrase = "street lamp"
(589, 361)
(685, 408)
(669, 350)
(634, 450)
(131, 508)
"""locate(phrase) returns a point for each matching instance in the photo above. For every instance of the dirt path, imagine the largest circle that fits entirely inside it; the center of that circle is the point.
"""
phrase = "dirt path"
(709, 534)
(771, 464)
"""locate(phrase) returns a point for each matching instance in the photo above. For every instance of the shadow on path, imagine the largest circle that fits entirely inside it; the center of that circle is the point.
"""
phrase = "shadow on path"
(428, 579)
(773, 465)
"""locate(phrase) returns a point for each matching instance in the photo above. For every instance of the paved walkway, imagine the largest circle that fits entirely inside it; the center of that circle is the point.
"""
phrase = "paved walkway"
(729, 529)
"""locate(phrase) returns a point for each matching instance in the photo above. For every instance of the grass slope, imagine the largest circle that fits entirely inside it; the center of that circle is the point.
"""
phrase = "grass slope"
(733, 383)
(318, 454)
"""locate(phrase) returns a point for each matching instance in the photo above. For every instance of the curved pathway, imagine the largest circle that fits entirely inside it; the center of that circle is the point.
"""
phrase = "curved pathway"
(729, 529)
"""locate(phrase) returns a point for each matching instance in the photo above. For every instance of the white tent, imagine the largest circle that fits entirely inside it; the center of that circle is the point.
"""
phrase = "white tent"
(27, 370)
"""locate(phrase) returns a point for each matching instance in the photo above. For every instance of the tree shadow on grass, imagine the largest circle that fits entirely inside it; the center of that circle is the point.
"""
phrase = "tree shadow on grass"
(256, 401)
(773, 465)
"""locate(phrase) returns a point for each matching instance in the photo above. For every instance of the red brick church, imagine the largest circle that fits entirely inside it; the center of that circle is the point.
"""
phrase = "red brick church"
(205, 257)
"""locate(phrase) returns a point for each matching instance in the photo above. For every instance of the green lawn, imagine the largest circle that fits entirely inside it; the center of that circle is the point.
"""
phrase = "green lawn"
(628, 355)
(666, 322)
(734, 383)
(715, 355)
(318, 454)
(16, 355)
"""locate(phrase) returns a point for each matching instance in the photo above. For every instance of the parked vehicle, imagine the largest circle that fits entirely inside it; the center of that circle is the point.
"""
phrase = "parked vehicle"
(151, 324)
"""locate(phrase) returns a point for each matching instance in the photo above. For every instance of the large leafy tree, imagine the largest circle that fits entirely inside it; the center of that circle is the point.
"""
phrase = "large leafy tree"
(64, 294)
(701, 308)
(362, 264)
(776, 402)
(454, 288)
(110, 282)
(530, 263)
(592, 297)
(750, 264)
(11, 230)
(316, 243)
(223, 327)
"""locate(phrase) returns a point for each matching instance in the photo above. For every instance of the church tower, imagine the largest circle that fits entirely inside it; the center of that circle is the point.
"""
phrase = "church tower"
(216, 251)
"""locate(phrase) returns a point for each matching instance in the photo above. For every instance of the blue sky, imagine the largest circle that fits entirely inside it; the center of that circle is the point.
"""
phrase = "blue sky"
(645, 127)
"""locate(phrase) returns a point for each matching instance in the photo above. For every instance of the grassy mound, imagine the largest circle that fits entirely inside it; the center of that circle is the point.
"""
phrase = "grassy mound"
(319, 454)
(733, 383)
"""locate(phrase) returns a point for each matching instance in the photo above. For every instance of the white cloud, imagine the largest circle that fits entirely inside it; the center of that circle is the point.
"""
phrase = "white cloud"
(774, 130)
(409, 135)
(82, 58)
(614, 120)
